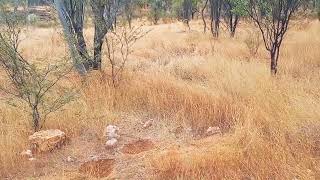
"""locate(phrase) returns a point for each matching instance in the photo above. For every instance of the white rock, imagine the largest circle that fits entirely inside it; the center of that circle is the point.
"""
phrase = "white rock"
(32, 159)
(188, 130)
(113, 135)
(147, 124)
(112, 143)
(213, 130)
(27, 153)
(70, 159)
(111, 132)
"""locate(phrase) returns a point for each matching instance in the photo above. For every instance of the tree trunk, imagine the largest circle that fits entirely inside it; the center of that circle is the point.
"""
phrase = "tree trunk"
(274, 60)
(100, 31)
(203, 18)
(233, 24)
(77, 18)
(98, 42)
(215, 6)
(105, 13)
(35, 118)
(67, 25)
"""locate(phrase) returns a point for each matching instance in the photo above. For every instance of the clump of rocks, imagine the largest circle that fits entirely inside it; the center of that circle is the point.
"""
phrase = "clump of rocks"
(213, 131)
(27, 154)
(112, 136)
(147, 124)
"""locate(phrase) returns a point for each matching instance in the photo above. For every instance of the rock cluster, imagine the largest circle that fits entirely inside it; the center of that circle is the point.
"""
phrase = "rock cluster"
(213, 130)
(111, 133)
(27, 154)
(147, 124)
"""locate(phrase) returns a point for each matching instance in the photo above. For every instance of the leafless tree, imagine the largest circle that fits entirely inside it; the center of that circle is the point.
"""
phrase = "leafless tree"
(118, 48)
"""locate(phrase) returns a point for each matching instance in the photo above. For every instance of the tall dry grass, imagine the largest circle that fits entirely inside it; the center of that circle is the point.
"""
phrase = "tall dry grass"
(270, 124)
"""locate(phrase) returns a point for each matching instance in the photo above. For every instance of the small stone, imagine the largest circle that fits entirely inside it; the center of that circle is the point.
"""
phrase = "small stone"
(32, 159)
(213, 130)
(94, 157)
(27, 153)
(112, 143)
(71, 159)
(147, 124)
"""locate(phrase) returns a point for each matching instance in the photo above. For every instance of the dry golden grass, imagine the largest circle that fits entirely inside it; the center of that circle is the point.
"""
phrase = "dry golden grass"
(271, 124)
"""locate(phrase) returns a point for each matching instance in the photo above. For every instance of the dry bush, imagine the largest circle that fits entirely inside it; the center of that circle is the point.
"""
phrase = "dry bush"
(253, 42)
(13, 137)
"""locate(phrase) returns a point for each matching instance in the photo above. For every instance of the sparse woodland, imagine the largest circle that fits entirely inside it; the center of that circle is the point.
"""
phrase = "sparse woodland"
(164, 89)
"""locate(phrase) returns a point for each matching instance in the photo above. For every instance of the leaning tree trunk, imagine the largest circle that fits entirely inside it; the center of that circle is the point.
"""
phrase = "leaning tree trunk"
(203, 18)
(77, 18)
(65, 16)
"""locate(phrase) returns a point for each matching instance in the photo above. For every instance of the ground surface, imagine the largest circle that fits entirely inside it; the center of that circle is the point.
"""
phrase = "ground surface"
(130, 162)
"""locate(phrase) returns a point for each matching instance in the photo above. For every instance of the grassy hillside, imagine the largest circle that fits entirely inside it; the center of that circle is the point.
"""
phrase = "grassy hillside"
(270, 124)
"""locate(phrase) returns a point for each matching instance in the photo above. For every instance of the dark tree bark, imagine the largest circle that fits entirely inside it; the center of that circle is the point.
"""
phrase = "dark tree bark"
(230, 17)
(187, 11)
(215, 8)
(35, 118)
(128, 12)
(203, 18)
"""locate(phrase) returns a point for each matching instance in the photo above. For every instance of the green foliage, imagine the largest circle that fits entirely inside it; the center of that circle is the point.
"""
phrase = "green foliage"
(157, 10)
(318, 8)
(239, 7)
(183, 9)
(141, 3)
